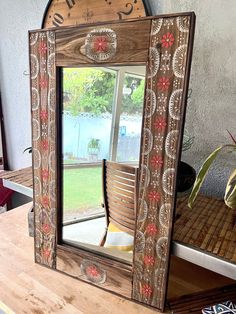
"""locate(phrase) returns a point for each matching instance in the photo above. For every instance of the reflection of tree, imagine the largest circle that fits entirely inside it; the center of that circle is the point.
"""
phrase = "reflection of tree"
(133, 103)
(92, 90)
(88, 90)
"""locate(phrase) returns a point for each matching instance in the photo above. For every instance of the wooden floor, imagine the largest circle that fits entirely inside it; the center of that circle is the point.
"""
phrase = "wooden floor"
(29, 288)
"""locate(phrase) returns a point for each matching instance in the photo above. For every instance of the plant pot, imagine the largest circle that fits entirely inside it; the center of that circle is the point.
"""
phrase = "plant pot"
(186, 179)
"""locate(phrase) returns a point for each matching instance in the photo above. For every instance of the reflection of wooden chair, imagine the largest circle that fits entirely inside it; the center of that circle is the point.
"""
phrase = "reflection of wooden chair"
(120, 184)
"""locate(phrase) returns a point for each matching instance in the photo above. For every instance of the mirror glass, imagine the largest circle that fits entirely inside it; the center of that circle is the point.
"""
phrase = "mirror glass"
(101, 130)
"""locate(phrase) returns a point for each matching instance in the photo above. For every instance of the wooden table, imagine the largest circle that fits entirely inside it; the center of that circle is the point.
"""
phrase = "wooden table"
(205, 235)
(26, 287)
(19, 180)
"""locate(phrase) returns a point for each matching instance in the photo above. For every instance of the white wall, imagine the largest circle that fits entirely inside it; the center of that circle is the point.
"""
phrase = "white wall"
(212, 106)
(16, 18)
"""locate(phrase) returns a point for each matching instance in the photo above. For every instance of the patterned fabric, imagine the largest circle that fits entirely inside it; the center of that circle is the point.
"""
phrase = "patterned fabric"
(163, 118)
(119, 240)
(43, 102)
(223, 308)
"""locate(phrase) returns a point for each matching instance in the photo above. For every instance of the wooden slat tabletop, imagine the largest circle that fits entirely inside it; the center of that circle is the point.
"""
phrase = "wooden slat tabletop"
(210, 226)
(22, 176)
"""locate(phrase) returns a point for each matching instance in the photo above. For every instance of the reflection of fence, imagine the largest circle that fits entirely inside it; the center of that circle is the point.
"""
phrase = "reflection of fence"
(78, 131)
(128, 148)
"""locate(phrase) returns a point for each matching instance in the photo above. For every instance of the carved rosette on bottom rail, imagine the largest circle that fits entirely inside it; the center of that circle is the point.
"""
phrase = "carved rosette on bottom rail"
(43, 99)
(162, 133)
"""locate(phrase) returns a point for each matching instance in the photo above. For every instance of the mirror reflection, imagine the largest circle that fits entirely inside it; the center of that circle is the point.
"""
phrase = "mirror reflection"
(101, 131)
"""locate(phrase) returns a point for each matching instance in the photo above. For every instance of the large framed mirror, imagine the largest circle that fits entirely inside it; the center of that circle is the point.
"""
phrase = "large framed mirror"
(108, 106)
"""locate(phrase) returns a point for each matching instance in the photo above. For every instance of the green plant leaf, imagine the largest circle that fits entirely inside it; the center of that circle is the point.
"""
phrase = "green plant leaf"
(230, 192)
(203, 172)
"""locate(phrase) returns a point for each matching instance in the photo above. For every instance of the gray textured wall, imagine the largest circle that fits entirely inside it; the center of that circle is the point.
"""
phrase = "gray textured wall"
(211, 109)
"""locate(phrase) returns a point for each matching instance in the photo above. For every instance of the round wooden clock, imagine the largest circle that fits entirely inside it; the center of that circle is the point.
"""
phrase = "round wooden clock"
(73, 12)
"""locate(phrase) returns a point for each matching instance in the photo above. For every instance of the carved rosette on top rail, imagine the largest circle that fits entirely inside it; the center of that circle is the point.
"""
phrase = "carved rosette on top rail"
(164, 110)
(100, 44)
(43, 103)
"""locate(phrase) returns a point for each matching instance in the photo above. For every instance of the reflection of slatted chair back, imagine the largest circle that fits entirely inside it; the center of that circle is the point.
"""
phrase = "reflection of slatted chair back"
(120, 195)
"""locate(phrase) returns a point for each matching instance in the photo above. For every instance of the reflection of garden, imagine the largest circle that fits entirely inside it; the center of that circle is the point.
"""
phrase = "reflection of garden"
(89, 114)
(82, 191)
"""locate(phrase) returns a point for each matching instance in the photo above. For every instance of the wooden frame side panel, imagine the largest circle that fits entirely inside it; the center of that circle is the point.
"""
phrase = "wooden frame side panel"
(117, 43)
(43, 110)
(164, 113)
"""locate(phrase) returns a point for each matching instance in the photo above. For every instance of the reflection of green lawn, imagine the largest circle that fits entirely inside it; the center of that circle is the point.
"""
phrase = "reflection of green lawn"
(82, 189)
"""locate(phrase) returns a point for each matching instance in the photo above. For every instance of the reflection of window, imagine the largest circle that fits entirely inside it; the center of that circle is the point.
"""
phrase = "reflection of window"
(102, 115)
(128, 144)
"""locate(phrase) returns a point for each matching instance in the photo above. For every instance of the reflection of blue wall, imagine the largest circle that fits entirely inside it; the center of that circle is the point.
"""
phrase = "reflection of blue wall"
(79, 130)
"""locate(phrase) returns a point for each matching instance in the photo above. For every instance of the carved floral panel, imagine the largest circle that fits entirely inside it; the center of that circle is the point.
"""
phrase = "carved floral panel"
(163, 121)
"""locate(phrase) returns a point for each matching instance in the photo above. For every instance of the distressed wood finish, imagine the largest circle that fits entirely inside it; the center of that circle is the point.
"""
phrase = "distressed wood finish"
(102, 272)
(164, 113)
(43, 112)
(168, 64)
(132, 44)
(75, 12)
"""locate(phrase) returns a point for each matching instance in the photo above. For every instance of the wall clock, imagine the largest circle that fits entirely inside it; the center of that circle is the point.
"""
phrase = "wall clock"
(73, 12)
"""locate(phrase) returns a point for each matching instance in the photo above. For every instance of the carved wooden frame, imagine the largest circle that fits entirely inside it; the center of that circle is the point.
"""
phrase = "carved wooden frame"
(164, 44)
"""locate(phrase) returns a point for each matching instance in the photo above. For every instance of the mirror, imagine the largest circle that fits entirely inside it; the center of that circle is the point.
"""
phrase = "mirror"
(101, 120)
(65, 143)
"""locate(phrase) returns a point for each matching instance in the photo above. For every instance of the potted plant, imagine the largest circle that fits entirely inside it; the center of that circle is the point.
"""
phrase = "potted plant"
(186, 173)
(230, 192)
(93, 148)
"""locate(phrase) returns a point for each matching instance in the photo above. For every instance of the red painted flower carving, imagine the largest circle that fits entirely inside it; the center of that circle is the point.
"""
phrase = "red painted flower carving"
(167, 40)
(100, 44)
(46, 228)
(44, 144)
(43, 48)
(92, 271)
(45, 201)
(147, 290)
(160, 124)
(43, 83)
(149, 260)
(46, 253)
(45, 174)
(151, 229)
(163, 83)
(44, 115)
(157, 161)
(154, 196)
